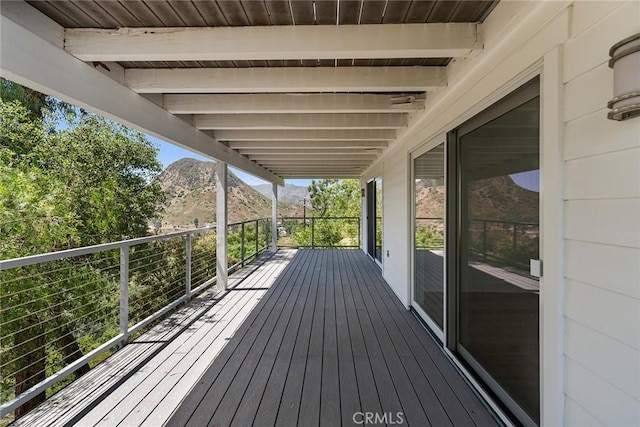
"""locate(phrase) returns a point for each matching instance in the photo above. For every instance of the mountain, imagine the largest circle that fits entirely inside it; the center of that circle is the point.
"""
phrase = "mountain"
(497, 198)
(289, 194)
(190, 187)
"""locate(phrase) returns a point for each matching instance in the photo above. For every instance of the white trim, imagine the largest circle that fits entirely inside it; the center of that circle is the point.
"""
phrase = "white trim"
(310, 145)
(478, 388)
(261, 103)
(300, 121)
(221, 175)
(419, 151)
(285, 79)
(552, 240)
(306, 135)
(434, 40)
(433, 327)
(274, 217)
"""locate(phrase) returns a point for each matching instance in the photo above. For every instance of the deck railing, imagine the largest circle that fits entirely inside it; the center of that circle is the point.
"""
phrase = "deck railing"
(319, 232)
(63, 312)
(508, 242)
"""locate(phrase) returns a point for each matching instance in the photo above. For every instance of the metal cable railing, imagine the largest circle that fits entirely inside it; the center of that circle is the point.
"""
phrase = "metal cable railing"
(63, 312)
(509, 242)
(319, 232)
(247, 240)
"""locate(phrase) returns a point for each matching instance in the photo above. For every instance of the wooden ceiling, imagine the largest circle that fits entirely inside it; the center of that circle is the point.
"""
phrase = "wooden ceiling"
(229, 68)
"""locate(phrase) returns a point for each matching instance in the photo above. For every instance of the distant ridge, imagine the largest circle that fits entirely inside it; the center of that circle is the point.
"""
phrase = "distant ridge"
(290, 193)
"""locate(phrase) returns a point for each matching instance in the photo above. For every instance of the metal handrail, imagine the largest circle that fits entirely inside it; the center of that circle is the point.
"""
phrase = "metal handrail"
(87, 250)
(311, 223)
(122, 276)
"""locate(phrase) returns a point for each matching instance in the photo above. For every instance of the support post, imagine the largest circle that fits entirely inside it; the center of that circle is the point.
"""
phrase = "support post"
(221, 227)
(257, 238)
(187, 279)
(242, 249)
(274, 216)
(124, 294)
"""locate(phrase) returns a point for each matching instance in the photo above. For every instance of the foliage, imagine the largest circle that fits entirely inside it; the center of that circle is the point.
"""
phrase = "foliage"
(37, 104)
(335, 197)
(330, 198)
(428, 238)
(89, 183)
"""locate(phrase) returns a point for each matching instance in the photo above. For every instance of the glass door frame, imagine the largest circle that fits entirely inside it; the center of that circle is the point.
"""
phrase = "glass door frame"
(453, 236)
(433, 326)
(371, 203)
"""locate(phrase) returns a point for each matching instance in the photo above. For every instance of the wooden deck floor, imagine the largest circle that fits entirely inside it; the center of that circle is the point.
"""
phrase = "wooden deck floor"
(311, 337)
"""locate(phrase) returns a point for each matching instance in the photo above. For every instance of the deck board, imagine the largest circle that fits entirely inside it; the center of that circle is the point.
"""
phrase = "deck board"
(308, 337)
(148, 378)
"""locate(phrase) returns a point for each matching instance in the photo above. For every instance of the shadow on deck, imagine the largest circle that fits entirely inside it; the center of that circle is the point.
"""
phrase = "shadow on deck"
(309, 337)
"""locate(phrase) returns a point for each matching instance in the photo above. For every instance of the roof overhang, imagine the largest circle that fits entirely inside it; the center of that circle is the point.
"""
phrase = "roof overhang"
(254, 89)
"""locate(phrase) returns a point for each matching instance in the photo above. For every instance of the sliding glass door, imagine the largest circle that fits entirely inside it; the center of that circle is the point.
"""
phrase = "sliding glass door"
(428, 237)
(497, 194)
(374, 219)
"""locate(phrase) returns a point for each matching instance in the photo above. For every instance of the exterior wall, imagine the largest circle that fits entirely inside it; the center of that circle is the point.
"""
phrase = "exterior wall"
(591, 205)
(601, 227)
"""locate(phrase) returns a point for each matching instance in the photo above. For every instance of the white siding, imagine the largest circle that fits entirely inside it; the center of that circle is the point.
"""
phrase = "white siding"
(602, 227)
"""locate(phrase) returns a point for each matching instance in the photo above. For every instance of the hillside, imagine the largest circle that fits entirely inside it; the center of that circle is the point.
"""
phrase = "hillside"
(290, 194)
(190, 186)
(498, 198)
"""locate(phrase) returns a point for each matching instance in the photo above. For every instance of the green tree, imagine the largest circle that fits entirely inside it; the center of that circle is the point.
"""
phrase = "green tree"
(335, 197)
(332, 198)
(89, 183)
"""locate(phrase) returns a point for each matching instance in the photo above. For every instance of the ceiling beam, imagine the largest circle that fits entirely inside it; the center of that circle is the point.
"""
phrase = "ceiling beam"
(347, 169)
(35, 62)
(285, 79)
(322, 176)
(306, 135)
(297, 152)
(289, 103)
(300, 121)
(312, 156)
(436, 40)
(306, 145)
(311, 162)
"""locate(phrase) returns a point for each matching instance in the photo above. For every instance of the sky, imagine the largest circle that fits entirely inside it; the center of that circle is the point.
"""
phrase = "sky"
(169, 153)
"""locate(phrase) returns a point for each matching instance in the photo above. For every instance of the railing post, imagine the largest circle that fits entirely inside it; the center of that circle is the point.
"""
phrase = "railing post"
(188, 249)
(124, 294)
(359, 231)
(484, 239)
(257, 237)
(313, 237)
(515, 239)
(242, 244)
(266, 233)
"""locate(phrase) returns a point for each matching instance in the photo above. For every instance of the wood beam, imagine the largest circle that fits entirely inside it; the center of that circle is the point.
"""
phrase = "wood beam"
(437, 40)
(315, 156)
(287, 152)
(306, 135)
(300, 121)
(32, 61)
(285, 79)
(305, 169)
(311, 162)
(306, 145)
(322, 176)
(288, 103)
